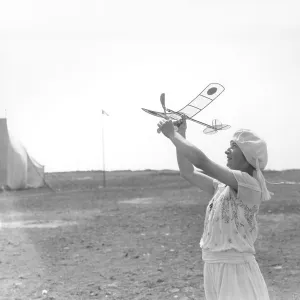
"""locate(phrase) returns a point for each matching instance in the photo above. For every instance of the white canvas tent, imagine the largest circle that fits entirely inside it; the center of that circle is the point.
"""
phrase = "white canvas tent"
(17, 169)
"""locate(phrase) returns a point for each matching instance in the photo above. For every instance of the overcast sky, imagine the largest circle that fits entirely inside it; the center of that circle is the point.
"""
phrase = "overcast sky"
(62, 61)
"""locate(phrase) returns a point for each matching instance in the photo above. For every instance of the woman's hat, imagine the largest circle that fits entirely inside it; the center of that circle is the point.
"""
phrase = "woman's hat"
(256, 153)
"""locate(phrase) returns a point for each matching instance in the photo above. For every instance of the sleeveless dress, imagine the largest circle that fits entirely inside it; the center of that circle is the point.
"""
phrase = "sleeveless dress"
(230, 230)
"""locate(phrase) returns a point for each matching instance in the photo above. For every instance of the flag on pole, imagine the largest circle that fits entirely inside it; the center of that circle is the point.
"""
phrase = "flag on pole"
(104, 113)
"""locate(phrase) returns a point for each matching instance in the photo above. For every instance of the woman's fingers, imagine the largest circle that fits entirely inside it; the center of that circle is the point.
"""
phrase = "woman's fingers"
(177, 123)
(183, 120)
(161, 123)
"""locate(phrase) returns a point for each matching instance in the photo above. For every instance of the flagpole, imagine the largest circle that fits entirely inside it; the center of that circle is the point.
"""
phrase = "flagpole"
(103, 151)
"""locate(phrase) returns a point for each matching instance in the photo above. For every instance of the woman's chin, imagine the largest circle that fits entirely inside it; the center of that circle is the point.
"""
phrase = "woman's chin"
(229, 165)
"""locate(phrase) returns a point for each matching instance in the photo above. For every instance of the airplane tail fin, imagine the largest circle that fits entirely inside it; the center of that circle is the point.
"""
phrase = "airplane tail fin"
(215, 127)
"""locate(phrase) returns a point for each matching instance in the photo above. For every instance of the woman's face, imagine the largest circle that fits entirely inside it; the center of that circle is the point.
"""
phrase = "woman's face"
(235, 158)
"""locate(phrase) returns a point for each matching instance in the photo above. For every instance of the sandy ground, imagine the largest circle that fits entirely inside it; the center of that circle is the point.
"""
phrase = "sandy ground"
(137, 238)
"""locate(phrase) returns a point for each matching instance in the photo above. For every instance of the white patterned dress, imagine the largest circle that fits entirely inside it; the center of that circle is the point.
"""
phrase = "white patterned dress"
(230, 230)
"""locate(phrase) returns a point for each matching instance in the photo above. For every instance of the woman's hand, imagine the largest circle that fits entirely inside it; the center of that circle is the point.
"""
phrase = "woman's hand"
(181, 126)
(167, 128)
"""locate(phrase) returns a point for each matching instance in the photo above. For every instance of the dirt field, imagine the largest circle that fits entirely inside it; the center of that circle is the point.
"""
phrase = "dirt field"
(137, 238)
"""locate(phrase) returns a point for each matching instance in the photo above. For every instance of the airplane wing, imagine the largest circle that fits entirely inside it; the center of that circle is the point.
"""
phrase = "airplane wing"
(171, 115)
(208, 95)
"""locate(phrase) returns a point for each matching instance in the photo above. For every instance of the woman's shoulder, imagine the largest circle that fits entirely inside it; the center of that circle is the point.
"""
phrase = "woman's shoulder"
(246, 180)
(249, 190)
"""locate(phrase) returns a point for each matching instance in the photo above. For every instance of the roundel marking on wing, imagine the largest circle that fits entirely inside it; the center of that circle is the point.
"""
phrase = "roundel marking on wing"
(211, 91)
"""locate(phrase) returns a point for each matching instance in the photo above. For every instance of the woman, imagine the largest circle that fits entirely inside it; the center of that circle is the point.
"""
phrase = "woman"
(230, 228)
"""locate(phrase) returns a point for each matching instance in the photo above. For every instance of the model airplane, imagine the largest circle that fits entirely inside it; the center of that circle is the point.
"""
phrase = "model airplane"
(208, 95)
